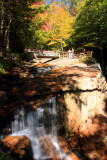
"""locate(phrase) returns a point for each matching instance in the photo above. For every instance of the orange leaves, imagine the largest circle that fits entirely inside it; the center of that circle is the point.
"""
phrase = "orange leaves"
(54, 21)
(47, 27)
(35, 4)
(61, 23)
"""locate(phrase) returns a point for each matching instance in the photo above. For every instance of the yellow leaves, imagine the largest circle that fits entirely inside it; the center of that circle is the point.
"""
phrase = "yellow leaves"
(51, 43)
(56, 22)
(42, 15)
(80, 5)
(61, 22)
(90, 45)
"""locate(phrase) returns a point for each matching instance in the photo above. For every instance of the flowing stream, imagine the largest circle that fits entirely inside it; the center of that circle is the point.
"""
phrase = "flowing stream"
(37, 125)
(41, 126)
(41, 70)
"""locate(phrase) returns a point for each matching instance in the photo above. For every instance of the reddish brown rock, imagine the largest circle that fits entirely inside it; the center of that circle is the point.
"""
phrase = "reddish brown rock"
(19, 145)
(20, 88)
(84, 93)
(92, 140)
(66, 148)
(53, 152)
(95, 145)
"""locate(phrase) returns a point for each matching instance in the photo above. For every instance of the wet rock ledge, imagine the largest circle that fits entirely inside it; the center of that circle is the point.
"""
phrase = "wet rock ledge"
(86, 104)
(85, 95)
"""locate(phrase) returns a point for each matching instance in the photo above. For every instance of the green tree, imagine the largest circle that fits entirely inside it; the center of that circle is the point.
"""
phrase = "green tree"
(54, 26)
(91, 24)
(15, 18)
(91, 30)
(40, 37)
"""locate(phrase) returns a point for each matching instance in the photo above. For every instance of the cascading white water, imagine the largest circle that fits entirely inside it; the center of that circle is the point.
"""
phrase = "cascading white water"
(42, 70)
(37, 124)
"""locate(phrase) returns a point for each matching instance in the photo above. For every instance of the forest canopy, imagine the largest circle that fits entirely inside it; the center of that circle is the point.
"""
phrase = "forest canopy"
(52, 24)
(91, 25)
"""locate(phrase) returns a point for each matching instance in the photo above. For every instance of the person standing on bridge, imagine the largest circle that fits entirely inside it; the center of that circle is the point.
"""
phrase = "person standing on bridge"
(72, 53)
(69, 53)
(84, 51)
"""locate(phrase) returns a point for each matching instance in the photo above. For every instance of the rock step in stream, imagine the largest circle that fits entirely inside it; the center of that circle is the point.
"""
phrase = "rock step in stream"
(84, 91)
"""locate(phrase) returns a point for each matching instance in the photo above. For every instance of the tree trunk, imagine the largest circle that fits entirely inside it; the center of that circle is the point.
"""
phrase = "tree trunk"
(62, 45)
(7, 35)
(5, 24)
(2, 24)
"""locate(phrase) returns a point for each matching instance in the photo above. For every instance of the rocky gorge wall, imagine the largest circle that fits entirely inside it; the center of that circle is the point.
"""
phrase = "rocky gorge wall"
(86, 113)
(86, 101)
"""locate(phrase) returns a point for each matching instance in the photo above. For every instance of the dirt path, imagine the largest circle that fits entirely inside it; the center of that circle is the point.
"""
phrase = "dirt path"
(63, 62)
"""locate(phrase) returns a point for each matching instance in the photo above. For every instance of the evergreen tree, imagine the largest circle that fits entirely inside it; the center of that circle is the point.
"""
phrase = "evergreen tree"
(91, 30)
(15, 18)
(91, 24)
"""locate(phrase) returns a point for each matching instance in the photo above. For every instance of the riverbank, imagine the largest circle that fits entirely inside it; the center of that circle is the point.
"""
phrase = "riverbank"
(25, 86)
(82, 87)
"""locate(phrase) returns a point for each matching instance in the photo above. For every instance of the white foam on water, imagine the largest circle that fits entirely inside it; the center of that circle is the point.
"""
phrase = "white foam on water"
(35, 124)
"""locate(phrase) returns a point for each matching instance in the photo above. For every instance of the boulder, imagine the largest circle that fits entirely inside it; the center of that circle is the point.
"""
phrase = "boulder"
(52, 148)
(18, 146)
(57, 149)
(95, 145)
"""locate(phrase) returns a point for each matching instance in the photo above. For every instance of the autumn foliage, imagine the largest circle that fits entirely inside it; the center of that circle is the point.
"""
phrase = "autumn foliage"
(54, 25)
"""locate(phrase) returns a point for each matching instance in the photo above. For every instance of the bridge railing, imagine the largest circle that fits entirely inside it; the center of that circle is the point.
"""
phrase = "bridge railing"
(43, 53)
(57, 54)
(76, 54)
(63, 54)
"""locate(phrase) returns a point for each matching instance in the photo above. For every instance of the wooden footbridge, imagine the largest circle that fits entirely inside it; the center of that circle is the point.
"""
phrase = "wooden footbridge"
(43, 53)
(49, 54)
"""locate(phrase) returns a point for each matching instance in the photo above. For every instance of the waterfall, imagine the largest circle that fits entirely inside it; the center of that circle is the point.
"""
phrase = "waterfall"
(39, 124)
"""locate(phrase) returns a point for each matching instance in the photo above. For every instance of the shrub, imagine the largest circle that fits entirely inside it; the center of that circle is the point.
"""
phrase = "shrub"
(5, 156)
